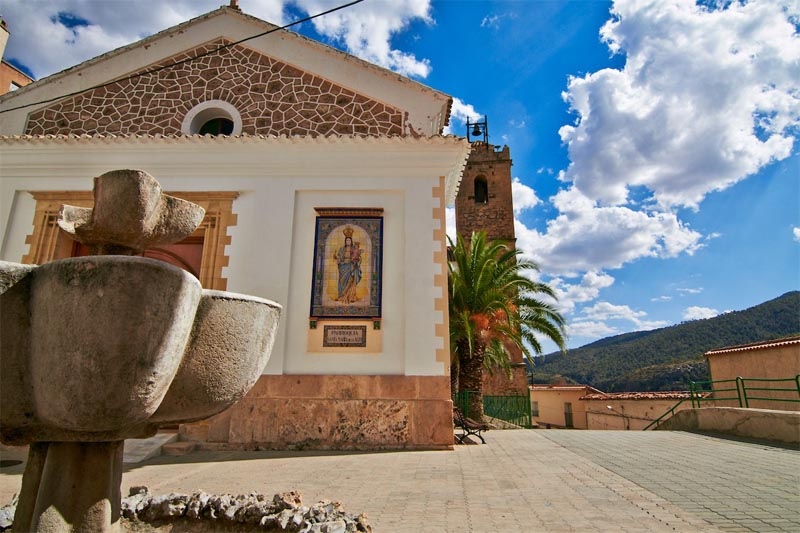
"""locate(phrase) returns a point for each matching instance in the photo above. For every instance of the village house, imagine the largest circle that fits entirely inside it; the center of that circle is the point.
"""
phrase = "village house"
(11, 78)
(325, 180)
(761, 375)
(769, 369)
(584, 407)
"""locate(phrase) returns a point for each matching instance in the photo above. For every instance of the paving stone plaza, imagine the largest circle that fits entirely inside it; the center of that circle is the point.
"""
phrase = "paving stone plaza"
(543, 480)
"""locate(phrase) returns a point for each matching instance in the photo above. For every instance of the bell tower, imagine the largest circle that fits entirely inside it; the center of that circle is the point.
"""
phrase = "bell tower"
(484, 203)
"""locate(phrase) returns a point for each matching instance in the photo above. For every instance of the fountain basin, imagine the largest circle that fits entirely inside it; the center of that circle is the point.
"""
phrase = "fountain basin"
(230, 344)
(106, 348)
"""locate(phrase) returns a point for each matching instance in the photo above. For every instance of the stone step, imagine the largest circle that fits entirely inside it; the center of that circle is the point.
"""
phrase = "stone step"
(138, 450)
(178, 448)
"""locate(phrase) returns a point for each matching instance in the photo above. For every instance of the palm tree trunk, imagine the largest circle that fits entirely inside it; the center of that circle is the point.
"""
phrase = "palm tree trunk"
(470, 378)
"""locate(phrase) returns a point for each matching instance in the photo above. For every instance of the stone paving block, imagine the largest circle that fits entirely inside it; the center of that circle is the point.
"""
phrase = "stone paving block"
(587, 481)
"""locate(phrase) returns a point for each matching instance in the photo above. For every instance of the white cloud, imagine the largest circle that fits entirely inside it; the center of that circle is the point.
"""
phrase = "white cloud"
(590, 329)
(460, 111)
(664, 298)
(608, 311)
(587, 289)
(450, 222)
(493, 21)
(585, 237)
(366, 30)
(604, 311)
(706, 98)
(691, 290)
(796, 233)
(696, 313)
(524, 197)
(45, 44)
(490, 21)
(42, 41)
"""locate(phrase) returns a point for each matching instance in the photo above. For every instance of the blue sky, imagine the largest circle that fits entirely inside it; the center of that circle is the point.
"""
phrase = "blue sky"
(656, 166)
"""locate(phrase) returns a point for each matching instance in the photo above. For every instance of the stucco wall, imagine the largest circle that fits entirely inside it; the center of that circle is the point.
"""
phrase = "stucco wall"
(762, 424)
(271, 246)
(551, 405)
(778, 362)
(628, 414)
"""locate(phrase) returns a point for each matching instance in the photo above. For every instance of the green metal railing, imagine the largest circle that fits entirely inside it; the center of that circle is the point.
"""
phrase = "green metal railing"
(461, 400)
(715, 391)
(515, 409)
(668, 414)
(746, 390)
(740, 390)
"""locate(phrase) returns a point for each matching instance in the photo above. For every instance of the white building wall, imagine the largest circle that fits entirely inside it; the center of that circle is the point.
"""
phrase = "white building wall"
(280, 182)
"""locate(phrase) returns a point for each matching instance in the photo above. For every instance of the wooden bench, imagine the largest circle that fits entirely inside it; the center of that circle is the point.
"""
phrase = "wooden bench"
(468, 426)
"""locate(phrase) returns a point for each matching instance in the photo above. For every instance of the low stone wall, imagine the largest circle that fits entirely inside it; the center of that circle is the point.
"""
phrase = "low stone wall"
(766, 424)
(201, 512)
(323, 412)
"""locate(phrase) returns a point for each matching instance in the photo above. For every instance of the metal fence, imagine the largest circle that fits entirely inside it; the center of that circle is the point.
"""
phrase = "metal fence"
(515, 409)
(744, 390)
(740, 391)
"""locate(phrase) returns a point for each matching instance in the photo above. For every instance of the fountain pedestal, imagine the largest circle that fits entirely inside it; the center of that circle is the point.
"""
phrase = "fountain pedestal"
(78, 487)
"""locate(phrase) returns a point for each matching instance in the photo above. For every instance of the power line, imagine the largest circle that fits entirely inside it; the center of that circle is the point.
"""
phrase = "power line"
(187, 60)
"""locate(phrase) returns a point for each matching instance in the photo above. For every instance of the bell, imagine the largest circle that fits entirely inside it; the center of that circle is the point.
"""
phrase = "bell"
(476, 132)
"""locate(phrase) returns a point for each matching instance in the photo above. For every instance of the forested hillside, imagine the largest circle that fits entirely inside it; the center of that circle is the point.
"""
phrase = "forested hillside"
(668, 358)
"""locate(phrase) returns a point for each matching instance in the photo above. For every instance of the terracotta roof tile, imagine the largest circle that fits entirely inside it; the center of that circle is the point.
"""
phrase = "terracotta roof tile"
(756, 346)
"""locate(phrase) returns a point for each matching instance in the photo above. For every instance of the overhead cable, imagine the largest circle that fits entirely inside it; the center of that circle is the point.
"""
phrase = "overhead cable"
(186, 60)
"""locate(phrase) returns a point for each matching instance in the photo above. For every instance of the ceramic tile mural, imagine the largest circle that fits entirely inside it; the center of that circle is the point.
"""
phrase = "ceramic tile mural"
(348, 253)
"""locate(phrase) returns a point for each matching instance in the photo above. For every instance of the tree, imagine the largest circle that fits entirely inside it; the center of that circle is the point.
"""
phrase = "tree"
(494, 306)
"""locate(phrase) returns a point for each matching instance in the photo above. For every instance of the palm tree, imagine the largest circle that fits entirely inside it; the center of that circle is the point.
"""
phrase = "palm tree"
(493, 308)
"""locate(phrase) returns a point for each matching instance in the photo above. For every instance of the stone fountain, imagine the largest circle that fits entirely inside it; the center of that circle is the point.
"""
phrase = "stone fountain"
(98, 349)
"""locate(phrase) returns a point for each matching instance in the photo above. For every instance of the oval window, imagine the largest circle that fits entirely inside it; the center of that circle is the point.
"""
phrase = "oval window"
(213, 117)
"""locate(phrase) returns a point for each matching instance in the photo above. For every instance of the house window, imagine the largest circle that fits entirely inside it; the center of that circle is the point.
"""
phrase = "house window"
(535, 409)
(481, 190)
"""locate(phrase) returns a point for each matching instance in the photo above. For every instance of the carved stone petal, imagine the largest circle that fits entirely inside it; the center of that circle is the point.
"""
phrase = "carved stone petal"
(130, 212)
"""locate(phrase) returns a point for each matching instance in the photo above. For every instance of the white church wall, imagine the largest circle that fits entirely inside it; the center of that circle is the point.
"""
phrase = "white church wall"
(271, 251)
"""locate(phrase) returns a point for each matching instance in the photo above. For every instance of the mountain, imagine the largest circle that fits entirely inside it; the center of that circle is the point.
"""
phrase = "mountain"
(668, 358)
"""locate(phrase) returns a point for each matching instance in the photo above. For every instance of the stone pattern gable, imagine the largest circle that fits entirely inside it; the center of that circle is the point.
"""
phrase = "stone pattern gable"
(272, 97)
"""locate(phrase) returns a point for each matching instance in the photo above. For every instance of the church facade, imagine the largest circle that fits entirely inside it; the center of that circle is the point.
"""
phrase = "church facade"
(325, 181)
